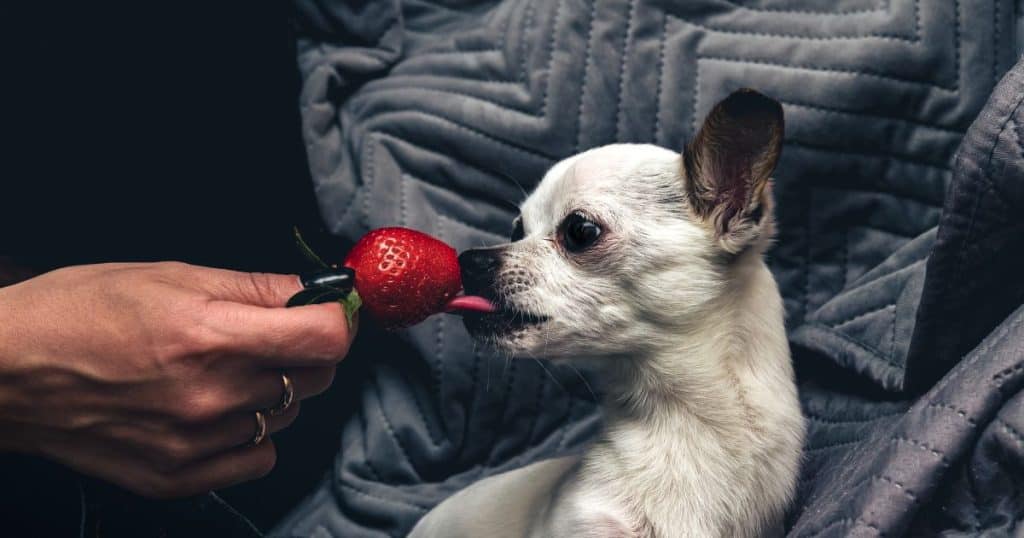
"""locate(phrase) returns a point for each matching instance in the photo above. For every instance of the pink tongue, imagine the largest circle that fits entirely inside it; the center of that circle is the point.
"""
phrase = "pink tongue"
(470, 303)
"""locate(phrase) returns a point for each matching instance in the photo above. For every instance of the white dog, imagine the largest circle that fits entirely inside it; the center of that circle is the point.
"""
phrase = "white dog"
(648, 263)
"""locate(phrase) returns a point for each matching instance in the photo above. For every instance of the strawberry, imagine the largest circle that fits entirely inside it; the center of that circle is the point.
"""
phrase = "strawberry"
(403, 276)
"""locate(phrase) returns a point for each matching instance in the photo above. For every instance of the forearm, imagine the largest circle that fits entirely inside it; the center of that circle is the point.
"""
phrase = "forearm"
(16, 434)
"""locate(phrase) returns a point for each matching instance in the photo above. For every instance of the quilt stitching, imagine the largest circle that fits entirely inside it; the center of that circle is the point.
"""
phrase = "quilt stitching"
(402, 218)
(366, 449)
(847, 420)
(586, 73)
(845, 259)
(841, 521)
(438, 363)
(882, 6)
(908, 493)
(968, 238)
(892, 330)
(471, 226)
(368, 180)
(873, 352)
(1000, 197)
(834, 71)
(909, 266)
(535, 155)
(922, 446)
(523, 42)
(995, 42)
(997, 338)
(370, 91)
(1002, 376)
(387, 500)
(838, 324)
(475, 195)
(510, 366)
(867, 153)
(869, 35)
(531, 432)
(391, 431)
(423, 417)
(1014, 434)
(829, 446)
(546, 88)
(899, 441)
(656, 136)
(867, 115)
(622, 68)
(959, 412)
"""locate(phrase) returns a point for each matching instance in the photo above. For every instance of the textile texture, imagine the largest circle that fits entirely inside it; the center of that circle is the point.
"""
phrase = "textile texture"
(899, 256)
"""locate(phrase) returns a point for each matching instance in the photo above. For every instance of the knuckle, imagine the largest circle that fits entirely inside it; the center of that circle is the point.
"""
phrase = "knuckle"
(177, 451)
(198, 335)
(266, 286)
(203, 406)
(199, 340)
(173, 266)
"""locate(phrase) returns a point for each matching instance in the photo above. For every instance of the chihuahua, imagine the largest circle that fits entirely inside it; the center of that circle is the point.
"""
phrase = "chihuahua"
(647, 265)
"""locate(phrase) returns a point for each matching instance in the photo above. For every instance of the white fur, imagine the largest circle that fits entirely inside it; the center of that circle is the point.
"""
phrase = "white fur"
(703, 426)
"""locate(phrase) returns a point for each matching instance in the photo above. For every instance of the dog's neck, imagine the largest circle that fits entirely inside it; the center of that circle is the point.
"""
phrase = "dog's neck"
(713, 404)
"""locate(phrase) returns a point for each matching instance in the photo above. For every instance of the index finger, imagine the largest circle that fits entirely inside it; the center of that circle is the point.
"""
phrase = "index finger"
(312, 335)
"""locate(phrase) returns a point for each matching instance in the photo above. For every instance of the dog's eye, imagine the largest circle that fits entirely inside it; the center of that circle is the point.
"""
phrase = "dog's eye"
(579, 233)
(518, 232)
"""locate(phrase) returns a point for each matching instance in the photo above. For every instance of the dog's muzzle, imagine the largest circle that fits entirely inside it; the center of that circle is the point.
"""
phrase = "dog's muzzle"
(480, 268)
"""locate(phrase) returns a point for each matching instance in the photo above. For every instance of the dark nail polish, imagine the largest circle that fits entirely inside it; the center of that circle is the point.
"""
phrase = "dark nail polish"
(341, 279)
(316, 295)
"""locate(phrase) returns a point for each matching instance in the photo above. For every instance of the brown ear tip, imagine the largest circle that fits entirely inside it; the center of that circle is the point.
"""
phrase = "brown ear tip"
(747, 102)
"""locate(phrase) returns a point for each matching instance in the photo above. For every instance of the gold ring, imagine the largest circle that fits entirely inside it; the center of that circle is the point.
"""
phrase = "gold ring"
(286, 398)
(261, 429)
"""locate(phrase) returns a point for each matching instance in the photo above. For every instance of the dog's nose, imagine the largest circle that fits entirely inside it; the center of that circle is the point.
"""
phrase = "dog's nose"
(479, 267)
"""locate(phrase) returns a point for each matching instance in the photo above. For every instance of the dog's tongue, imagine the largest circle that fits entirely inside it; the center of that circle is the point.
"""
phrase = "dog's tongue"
(470, 303)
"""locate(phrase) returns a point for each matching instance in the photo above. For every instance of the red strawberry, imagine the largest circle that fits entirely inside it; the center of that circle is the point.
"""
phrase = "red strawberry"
(404, 276)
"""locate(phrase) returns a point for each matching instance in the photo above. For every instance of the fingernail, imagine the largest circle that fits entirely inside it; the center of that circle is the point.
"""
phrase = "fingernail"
(340, 279)
(316, 295)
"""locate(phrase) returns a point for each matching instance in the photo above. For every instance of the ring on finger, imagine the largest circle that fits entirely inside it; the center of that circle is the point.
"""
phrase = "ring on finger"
(287, 397)
(261, 429)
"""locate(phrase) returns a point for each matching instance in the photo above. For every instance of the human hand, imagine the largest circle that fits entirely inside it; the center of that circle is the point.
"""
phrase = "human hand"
(149, 375)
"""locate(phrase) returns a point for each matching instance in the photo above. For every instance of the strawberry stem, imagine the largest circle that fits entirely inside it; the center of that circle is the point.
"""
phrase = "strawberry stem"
(306, 250)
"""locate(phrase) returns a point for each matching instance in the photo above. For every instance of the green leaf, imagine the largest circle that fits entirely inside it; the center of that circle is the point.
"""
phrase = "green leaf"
(306, 250)
(351, 305)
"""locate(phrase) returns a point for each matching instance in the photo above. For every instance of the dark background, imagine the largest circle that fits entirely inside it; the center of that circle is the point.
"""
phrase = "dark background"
(152, 131)
(158, 131)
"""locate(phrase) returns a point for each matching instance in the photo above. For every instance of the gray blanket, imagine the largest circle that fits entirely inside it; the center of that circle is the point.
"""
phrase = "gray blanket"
(902, 267)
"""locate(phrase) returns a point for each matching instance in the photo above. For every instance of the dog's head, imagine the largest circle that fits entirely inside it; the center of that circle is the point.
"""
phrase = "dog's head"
(623, 242)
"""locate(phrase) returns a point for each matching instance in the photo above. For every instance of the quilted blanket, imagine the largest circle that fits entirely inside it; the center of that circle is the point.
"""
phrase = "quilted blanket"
(899, 256)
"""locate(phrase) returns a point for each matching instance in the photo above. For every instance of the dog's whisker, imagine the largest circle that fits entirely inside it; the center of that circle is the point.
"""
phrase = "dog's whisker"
(515, 181)
(584, 380)
(546, 371)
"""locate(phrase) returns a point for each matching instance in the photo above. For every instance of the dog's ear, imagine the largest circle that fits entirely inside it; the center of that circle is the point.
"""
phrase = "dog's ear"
(728, 164)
